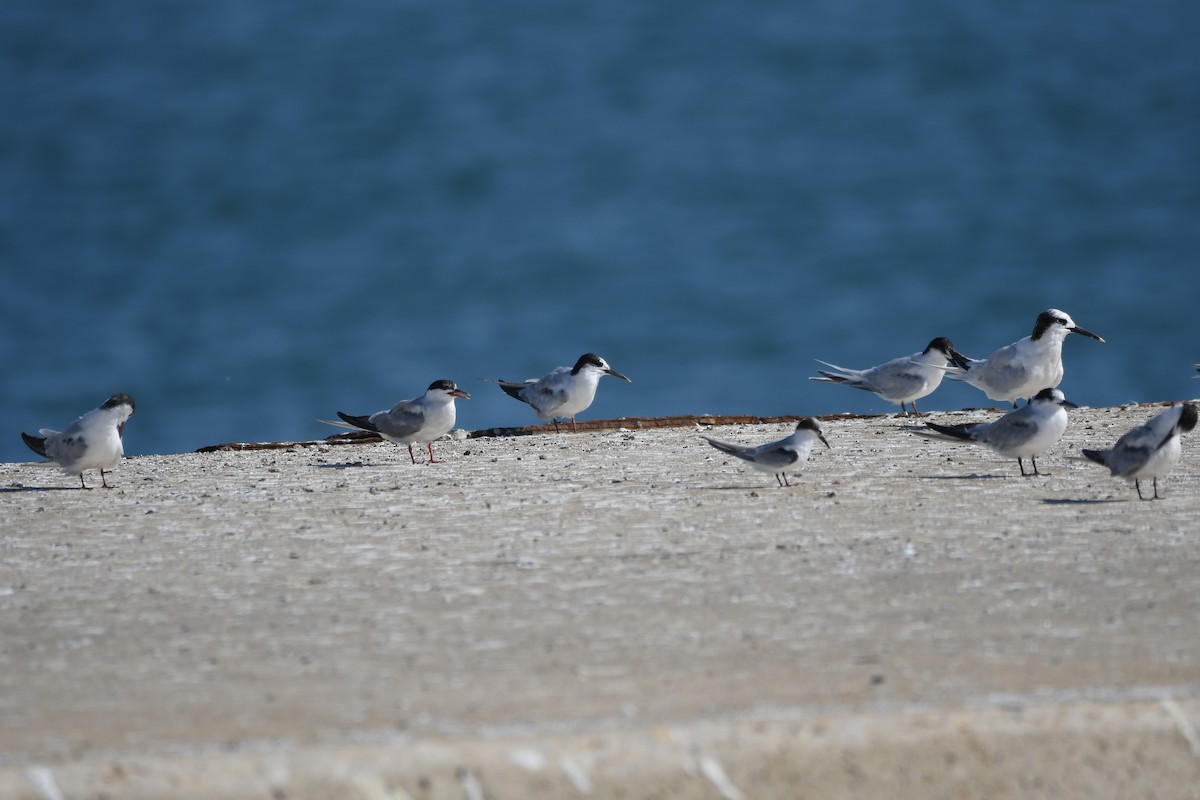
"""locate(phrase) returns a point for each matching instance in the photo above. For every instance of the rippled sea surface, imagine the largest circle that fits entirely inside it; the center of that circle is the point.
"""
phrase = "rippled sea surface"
(252, 214)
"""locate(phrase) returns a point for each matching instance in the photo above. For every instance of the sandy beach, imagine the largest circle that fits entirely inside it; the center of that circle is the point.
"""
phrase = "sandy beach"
(619, 612)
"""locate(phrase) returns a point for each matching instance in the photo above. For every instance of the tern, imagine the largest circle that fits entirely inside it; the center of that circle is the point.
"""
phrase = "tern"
(563, 392)
(1026, 366)
(1025, 432)
(902, 380)
(91, 442)
(420, 420)
(777, 457)
(1150, 450)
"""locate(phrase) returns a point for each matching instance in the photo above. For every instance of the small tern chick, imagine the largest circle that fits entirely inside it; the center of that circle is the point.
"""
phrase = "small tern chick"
(420, 420)
(1026, 366)
(562, 392)
(1027, 431)
(777, 457)
(1150, 450)
(902, 380)
(91, 442)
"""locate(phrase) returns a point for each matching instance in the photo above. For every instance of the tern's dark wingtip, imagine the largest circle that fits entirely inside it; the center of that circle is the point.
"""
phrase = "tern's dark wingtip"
(1187, 417)
(512, 389)
(363, 423)
(36, 443)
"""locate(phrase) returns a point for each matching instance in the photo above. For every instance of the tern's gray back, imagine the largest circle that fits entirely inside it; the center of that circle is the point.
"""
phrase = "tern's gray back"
(545, 396)
(777, 455)
(1004, 372)
(1012, 430)
(899, 377)
(774, 456)
(404, 419)
(67, 447)
(1126, 460)
(1133, 450)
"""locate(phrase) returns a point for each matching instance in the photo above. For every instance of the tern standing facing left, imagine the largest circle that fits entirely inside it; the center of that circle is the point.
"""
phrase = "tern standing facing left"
(562, 392)
(777, 457)
(91, 442)
(902, 380)
(1028, 431)
(421, 420)
(1027, 365)
(1150, 450)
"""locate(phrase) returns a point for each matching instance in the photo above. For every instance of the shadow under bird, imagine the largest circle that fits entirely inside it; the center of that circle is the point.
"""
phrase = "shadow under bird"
(902, 380)
(1150, 450)
(1026, 366)
(94, 441)
(777, 457)
(1024, 433)
(421, 420)
(563, 392)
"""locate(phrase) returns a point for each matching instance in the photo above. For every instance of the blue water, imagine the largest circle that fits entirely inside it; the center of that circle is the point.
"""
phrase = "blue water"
(252, 214)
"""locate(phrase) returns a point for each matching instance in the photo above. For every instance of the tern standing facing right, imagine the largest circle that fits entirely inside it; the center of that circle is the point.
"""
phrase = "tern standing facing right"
(777, 457)
(902, 380)
(421, 420)
(91, 442)
(1028, 431)
(1150, 450)
(1025, 366)
(562, 392)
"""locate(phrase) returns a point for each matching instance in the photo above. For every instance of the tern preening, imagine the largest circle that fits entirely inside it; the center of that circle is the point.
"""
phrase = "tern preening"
(778, 457)
(902, 380)
(94, 441)
(421, 420)
(1150, 450)
(563, 392)
(1026, 432)
(1026, 366)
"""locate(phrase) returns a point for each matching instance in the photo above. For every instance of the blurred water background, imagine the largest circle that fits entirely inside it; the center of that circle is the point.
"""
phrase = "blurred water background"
(252, 214)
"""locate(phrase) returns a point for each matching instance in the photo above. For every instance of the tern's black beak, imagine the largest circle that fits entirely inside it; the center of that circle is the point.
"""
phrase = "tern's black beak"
(824, 441)
(1086, 332)
(615, 374)
(460, 393)
(1067, 403)
(959, 360)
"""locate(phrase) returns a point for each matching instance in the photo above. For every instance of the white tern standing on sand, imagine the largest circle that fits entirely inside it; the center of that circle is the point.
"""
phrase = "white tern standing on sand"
(777, 457)
(1025, 432)
(1025, 366)
(902, 380)
(420, 420)
(91, 442)
(562, 392)
(1150, 450)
